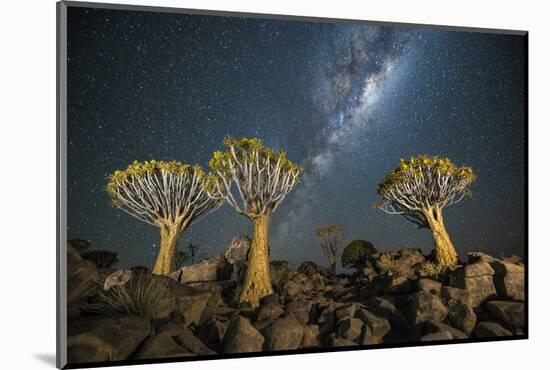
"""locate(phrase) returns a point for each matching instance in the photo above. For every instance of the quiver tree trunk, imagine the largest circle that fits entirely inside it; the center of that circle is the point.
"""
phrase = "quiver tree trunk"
(169, 237)
(257, 281)
(445, 253)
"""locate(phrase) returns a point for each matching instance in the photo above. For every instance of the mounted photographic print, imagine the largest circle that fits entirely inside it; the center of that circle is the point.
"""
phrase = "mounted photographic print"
(236, 184)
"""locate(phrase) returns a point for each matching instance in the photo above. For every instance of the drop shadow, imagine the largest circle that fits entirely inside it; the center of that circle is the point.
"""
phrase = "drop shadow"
(47, 358)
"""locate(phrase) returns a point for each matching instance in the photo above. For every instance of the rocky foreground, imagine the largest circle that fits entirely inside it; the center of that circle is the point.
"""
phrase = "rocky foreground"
(396, 297)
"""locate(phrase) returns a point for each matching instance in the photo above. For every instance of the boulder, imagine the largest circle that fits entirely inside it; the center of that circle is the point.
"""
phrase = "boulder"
(279, 272)
(424, 306)
(440, 335)
(474, 257)
(283, 334)
(160, 346)
(509, 280)
(117, 278)
(378, 325)
(398, 284)
(404, 262)
(382, 307)
(191, 343)
(461, 316)
(455, 294)
(292, 289)
(300, 310)
(311, 336)
(211, 333)
(438, 327)
(105, 339)
(508, 312)
(429, 285)
(488, 329)
(237, 251)
(349, 328)
(477, 279)
(190, 308)
(269, 311)
(206, 270)
(347, 310)
(82, 278)
(241, 337)
(341, 342)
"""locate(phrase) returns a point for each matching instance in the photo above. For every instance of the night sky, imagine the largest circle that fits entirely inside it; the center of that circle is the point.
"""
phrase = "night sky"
(346, 101)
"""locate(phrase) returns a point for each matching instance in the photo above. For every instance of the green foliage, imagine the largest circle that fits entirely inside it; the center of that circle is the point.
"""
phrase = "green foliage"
(101, 258)
(330, 230)
(356, 253)
(138, 170)
(141, 296)
(420, 166)
(247, 150)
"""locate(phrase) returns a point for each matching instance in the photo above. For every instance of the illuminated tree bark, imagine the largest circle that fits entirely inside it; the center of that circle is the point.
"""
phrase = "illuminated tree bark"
(419, 189)
(168, 195)
(330, 238)
(254, 180)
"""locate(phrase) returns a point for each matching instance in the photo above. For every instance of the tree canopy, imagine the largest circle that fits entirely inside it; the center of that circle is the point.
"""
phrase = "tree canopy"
(251, 177)
(422, 184)
(159, 192)
(356, 253)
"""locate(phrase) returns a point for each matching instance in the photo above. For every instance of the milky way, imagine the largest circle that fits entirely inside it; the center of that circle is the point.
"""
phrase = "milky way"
(346, 101)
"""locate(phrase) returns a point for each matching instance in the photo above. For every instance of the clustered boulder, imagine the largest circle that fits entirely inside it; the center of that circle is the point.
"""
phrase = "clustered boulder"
(394, 297)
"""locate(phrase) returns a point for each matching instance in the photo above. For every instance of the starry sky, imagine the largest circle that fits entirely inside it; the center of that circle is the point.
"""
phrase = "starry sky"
(346, 101)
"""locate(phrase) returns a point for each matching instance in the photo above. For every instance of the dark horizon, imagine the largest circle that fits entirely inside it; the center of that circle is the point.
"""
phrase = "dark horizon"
(345, 101)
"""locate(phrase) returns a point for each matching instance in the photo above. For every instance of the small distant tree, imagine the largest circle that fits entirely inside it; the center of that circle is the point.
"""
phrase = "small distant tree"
(254, 180)
(168, 195)
(180, 259)
(331, 237)
(356, 254)
(192, 250)
(101, 258)
(419, 189)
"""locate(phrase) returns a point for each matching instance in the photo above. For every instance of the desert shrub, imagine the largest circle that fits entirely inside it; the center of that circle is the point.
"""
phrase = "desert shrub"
(356, 253)
(81, 245)
(431, 270)
(101, 258)
(141, 296)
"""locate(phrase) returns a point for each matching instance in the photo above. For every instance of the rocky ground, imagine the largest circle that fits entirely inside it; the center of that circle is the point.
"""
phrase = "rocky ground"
(395, 297)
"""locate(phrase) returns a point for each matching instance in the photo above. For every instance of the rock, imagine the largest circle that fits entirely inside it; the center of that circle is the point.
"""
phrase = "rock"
(403, 262)
(212, 333)
(160, 346)
(462, 316)
(435, 327)
(349, 328)
(429, 285)
(341, 342)
(82, 278)
(510, 313)
(270, 299)
(241, 337)
(398, 284)
(379, 326)
(291, 289)
(487, 329)
(191, 343)
(117, 278)
(424, 306)
(474, 257)
(314, 275)
(441, 335)
(172, 327)
(300, 309)
(477, 279)
(509, 280)
(311, 336)
(279, 272)
(382, 307)
(206, 270)
(348, 310)
(237, 251)
(283, 334)
(367, 338)
(191, 307)
(455, 294)
(269, 311)
(105, 339)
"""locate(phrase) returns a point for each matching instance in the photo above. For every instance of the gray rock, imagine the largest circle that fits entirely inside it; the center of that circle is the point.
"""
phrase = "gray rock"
(349, 328)
(160, 346)
(474, 257)
(105, 339)
(429, 285)
(241, 337)
(462, 316)
(455, 294)
(435, 327)
(341, 342)
(283, 334)
(82, 278)
(477, 279)
(300, 309)
(348, 310)
(237, 251)
(510, 313)
(206, 270)
(424, 306)
(487, 329)
(191, 307)
(311, 336)
(378, 325)
(212, 333)
(367, 338)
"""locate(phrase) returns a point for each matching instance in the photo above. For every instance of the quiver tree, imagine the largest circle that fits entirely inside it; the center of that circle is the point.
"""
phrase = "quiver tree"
(419, 189)
(331, 237)
(168, 195)
(254, 180)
